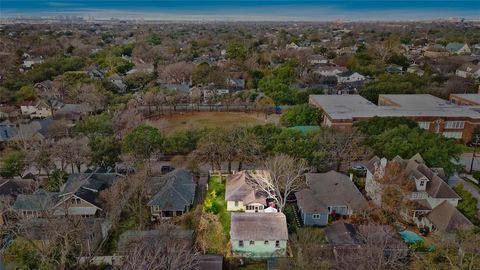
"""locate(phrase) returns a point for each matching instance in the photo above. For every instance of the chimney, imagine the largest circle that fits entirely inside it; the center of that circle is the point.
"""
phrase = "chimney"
(383, 162)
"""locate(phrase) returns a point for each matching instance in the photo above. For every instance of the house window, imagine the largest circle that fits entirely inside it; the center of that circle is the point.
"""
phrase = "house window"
(422, 183)
(277, 244)
(252, 242)
(76, 201)
(240, 243)
(453, 134)
(454, 124)
(316, 216)
(265, 242)
(424, 125)
(236, 204)
(250, 207)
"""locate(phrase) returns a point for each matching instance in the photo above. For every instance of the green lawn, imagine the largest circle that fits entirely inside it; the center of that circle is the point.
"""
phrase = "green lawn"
(215, 203)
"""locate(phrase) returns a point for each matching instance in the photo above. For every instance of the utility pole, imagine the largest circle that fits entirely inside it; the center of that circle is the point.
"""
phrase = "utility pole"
(474, 151)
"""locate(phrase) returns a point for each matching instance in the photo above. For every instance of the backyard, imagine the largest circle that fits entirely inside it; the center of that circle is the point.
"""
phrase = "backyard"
(200, 120)
(215, 202)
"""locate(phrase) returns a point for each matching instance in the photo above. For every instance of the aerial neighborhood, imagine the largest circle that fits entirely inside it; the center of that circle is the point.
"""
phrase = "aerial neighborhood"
(222, 145)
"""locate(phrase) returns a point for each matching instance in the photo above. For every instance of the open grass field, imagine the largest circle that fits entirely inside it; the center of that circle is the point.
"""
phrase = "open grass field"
(200, 120)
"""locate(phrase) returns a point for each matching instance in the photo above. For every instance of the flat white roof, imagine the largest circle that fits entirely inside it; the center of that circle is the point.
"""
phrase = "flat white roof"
(470, 97)
(347, 107)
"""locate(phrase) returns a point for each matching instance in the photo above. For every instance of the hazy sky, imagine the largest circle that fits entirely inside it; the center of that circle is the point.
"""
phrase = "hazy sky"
(303, 10)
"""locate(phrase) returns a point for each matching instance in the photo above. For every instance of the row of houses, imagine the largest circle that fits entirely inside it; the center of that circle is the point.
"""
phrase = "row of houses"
(455, 118)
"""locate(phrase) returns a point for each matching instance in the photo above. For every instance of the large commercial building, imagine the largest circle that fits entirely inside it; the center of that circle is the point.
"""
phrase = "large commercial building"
(456, 118)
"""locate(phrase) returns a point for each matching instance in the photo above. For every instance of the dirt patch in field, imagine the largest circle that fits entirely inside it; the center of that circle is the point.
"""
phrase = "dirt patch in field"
(199, 120)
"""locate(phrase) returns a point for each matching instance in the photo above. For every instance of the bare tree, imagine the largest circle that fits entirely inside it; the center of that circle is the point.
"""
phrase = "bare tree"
(169, 254)
(281, 176)
(177, 73)
(341, 148)
(380, 249)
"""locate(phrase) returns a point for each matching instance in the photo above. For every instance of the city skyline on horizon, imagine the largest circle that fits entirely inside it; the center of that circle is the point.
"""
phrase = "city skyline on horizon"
(245, 10)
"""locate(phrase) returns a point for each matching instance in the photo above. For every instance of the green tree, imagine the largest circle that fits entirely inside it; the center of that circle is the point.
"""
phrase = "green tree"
(236, 51)
(394, 84)
(56, 180)
(20, 254)
(12, 163)
(94, 126)
(184, 141)
(468, 203)
(277, 84)
(25, 93)
(377, 125)
(142, 141)
(403, 141)
(155, 39)
(301, 115)
(105, 151)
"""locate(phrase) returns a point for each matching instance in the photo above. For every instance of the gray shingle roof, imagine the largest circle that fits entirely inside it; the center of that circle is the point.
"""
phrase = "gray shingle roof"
(330, 189)
(240, 188)
(258, 226)
(446, 218)
(177, 192)
(39, 201)
(88, 185)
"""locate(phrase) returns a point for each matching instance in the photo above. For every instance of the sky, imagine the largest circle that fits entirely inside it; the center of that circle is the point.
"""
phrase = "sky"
(246, 10)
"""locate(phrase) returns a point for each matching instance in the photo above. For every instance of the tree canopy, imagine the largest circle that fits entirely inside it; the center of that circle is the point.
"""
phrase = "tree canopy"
(142, 141)
(301, 115)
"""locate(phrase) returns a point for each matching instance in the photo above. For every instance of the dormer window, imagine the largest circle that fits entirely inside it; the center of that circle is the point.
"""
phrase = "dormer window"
(422, 183)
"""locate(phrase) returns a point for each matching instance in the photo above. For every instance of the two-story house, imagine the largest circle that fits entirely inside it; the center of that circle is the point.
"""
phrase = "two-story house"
(259, 235)
(330, 193)
(241, 195)
(430, 189)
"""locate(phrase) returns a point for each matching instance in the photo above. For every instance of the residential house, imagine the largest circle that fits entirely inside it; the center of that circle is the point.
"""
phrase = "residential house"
(36, 205)
(173, 194)
(29, 62)
(38, 109)
(436, 52)
(344, 238)
(258, 235)
(42, 232)
(429, 187)
(95, 72)
(415, 69)
(241, 195)
(7, 131)
(329, 71)
(394, 69)
(141, 67)
(468, 70)
(171, 236)
(318, 59)
(9, 112)
(180, 87)
(235, 84)
(330, 193)
(37, 131)
(44, 87)
(79, 196)
(458, 48)
(445, 218)
(349, 77)
(117, 81)
(12, 187)
(292, 45)
(72, 113)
